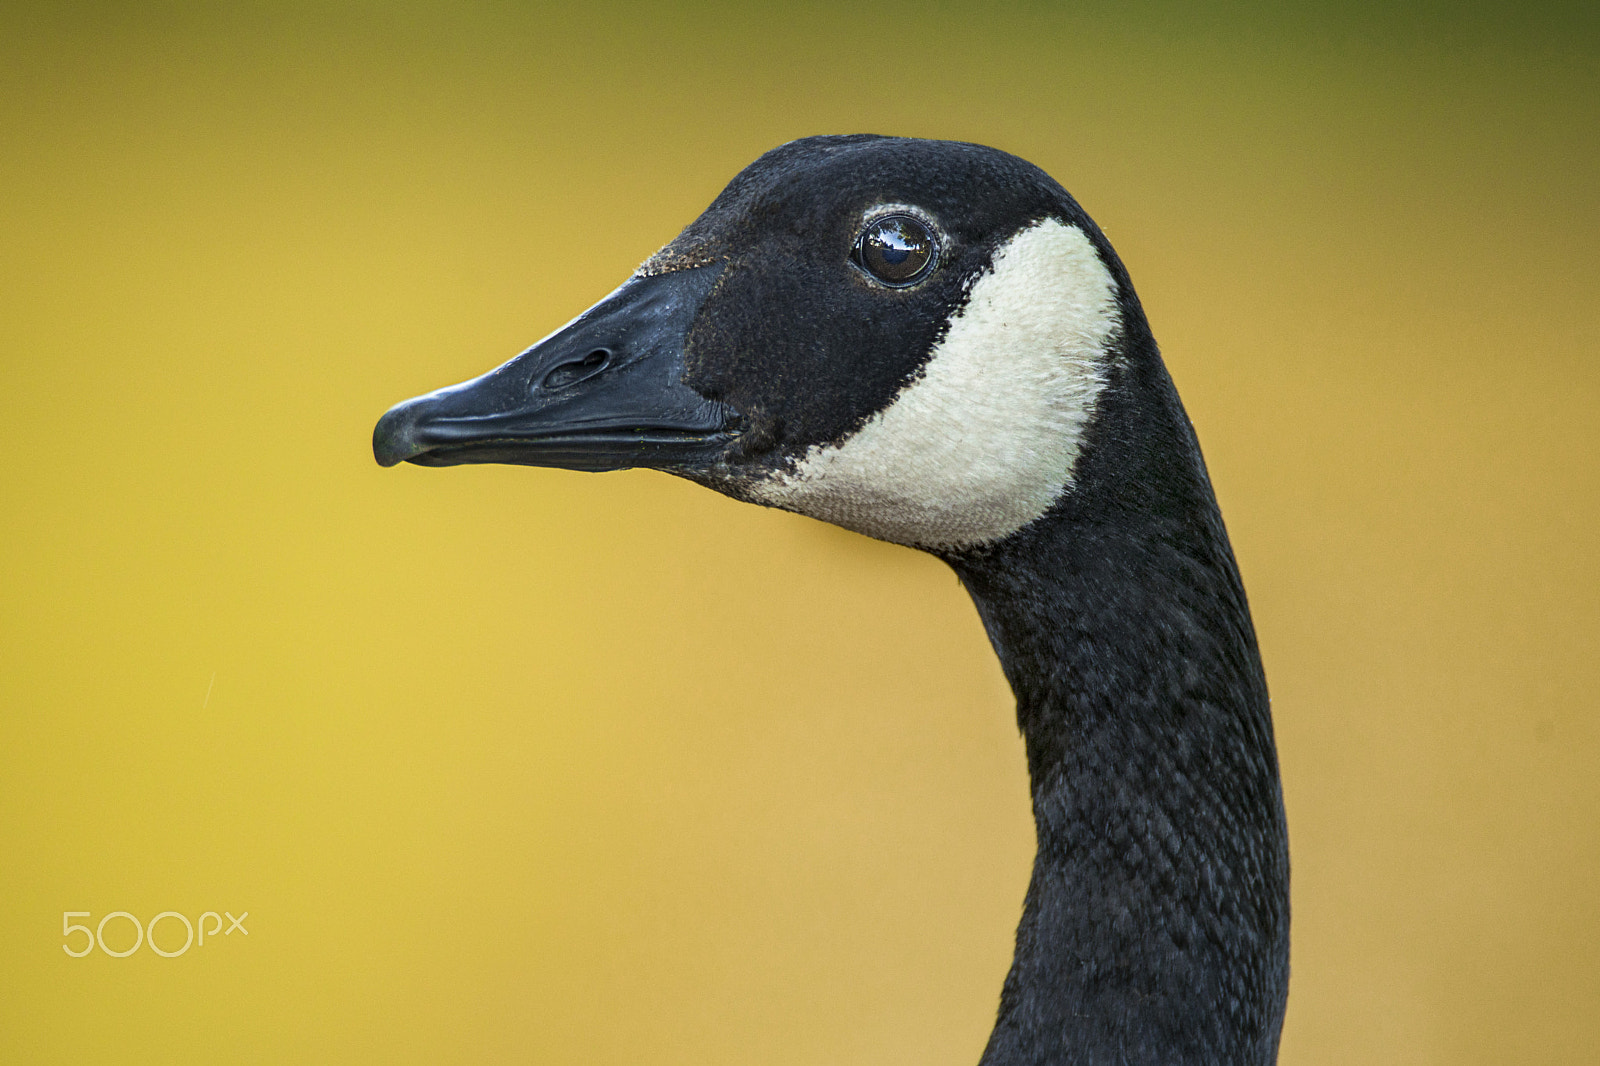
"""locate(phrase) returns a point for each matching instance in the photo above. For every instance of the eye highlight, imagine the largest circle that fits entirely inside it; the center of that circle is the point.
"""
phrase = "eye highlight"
(898, 250)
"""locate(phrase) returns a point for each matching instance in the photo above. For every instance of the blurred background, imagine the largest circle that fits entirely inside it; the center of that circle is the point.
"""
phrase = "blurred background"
(522, 765)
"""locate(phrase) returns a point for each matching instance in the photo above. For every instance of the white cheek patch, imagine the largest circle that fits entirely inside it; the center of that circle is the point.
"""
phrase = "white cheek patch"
(985, 440)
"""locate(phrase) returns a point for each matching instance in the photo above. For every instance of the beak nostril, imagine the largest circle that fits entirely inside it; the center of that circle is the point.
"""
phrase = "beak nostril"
(576, 370)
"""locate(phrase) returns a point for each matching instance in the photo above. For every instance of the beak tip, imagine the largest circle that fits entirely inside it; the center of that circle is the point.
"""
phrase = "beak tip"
(394, 438)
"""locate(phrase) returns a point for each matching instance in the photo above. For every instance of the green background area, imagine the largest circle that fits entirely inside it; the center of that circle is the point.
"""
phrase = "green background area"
(521, 765)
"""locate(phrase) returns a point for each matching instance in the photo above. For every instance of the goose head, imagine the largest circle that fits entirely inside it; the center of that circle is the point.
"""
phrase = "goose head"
(905, 338)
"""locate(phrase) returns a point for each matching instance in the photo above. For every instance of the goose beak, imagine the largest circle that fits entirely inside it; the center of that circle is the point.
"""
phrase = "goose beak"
(604, 392)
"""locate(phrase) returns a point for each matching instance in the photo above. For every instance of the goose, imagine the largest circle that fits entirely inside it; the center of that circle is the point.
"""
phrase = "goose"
(931, 343)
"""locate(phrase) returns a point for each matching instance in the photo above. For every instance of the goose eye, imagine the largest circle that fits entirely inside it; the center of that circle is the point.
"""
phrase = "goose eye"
(896, 249)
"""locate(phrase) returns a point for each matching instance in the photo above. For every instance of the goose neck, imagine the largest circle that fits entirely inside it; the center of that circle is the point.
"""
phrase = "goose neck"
(1155, 927)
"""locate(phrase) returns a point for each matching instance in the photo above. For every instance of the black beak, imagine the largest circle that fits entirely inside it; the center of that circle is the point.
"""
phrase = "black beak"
(604, 392)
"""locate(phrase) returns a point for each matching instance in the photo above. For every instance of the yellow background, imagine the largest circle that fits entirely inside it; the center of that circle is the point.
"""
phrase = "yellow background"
(521, 765)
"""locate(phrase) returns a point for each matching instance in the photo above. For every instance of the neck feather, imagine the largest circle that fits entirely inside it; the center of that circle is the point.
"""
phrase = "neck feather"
(1155, 928)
